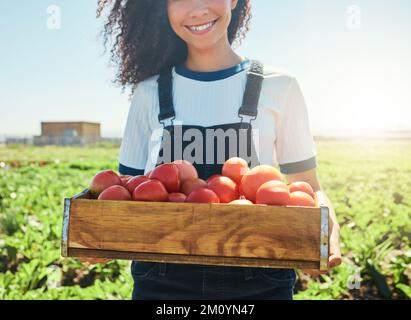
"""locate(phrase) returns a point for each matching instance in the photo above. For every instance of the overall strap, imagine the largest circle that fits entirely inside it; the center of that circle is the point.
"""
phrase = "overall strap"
(165, 96)
(255, 77)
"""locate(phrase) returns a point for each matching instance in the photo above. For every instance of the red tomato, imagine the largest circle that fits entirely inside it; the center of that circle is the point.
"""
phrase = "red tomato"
(203, 195)
(103, 180)
(225, 188)
(124, 179)
(241, 192)
(212, 177)
(254, 178)
(302, 199)
(273, 192)
(134, 182)
(235, 168)
(241, 201)
(301, 186)
(168, 175)
(115, 193)
(186, 170)
(151, 190)
(190, 185)
(177, 197)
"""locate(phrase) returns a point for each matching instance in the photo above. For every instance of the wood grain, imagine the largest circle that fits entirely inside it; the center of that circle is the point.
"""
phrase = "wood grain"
(204, 232)
(197, 260)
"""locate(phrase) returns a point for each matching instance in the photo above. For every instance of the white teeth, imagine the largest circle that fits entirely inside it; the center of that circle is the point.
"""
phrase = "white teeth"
(202, 27)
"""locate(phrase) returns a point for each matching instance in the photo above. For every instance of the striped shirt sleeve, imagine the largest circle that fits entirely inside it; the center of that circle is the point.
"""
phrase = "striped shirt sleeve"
(295, 147)
(134, 145)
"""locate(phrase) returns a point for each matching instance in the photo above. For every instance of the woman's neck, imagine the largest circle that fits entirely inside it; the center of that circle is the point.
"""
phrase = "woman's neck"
(217, 58)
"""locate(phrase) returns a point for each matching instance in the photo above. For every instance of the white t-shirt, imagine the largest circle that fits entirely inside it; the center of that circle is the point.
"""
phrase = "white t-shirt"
(213, 98)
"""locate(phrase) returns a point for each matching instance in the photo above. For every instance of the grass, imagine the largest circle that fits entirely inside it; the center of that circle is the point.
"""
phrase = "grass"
(368, 182)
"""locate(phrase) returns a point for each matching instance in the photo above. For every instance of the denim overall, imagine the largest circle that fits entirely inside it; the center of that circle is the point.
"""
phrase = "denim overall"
(157, 281)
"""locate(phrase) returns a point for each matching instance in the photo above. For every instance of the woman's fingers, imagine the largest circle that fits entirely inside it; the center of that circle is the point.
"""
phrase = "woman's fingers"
(333, 261)
(334, 258)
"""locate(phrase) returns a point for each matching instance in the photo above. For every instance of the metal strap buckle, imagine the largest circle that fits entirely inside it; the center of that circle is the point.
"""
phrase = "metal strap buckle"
(242, 116)
(257, 75)
(163, 122)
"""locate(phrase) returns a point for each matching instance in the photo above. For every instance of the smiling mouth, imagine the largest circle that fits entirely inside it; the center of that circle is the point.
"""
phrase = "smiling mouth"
(200, 29)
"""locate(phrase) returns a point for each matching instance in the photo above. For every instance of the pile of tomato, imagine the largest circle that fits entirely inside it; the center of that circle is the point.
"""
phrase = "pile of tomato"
(178, 181)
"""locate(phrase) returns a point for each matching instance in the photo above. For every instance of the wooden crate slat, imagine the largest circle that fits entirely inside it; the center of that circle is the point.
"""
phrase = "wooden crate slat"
(283, 233)
(197, 260)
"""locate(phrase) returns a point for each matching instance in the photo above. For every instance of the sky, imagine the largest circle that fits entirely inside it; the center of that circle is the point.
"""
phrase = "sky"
(351, 59)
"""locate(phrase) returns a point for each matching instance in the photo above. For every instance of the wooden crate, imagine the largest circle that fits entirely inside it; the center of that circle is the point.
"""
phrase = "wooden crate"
(210, 234)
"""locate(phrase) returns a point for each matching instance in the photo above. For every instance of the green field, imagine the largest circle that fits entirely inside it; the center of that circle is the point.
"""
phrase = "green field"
(369, 183)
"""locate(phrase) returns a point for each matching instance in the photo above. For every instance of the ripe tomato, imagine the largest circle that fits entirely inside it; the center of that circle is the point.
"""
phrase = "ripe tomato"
(190, 185)
(177, 197)
(299, 198)
(212, 177)
(115, 193)
(273, 192)
(241, 192)
(235, 168)
(124, 179)
(203, 195)
(134, 182)
(103, 180)
(301, 186)
(151, 190)
(168, 175)
(225, 188)
(254, 178)
(186, 170)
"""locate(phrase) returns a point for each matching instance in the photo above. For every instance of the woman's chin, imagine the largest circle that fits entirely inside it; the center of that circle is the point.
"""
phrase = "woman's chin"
(203, 44)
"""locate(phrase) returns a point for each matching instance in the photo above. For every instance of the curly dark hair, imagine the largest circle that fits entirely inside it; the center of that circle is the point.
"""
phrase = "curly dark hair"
(145, 43)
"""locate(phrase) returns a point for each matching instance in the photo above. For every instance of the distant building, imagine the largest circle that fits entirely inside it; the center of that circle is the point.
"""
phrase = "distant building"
(18, 140)
(68, 133)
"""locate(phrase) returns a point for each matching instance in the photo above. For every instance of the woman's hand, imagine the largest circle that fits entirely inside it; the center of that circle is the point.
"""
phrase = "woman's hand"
(92, 261)
(334, 258)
